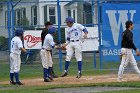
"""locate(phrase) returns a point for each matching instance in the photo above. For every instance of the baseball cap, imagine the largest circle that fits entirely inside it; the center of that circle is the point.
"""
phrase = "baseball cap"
(69, 19)
(51, 30)
(19, 31)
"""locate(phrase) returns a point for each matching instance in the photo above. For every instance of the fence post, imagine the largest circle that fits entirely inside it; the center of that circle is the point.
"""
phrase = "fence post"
(93, 12)
(13, 16)
(13, 20)
(99, 23)
(9, 23)
(59, 34)
(94, 60)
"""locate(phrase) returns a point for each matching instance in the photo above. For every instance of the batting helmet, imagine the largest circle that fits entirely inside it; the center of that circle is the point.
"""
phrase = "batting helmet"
(69, 19)
(51, 30)
(19, 32)
(127, 23)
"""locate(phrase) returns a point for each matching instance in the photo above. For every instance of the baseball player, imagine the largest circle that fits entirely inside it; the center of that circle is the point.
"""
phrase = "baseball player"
(74, 44)
(43, 34)
(126, 50)
(45, 54)
(15, 60)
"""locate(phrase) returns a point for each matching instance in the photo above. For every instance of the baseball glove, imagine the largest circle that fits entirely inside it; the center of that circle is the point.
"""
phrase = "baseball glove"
(61, 47)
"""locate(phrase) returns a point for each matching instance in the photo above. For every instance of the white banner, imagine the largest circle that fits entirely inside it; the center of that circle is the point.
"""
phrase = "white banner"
(32, 39)
(92, 42)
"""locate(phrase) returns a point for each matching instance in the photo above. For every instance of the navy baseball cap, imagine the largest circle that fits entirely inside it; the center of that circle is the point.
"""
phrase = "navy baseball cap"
(51, 30)
(19, 31)
(69, 19)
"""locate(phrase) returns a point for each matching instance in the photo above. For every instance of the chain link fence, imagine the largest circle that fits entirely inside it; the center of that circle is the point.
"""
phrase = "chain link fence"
(3, 33)
(32, 14)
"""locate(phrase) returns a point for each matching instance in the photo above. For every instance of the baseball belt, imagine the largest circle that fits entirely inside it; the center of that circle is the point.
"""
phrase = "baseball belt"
(74, 40)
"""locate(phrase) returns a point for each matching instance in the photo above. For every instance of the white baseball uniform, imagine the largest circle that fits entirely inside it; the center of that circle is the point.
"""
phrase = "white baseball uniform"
(15, 60)
(45, 51)
(75, 43)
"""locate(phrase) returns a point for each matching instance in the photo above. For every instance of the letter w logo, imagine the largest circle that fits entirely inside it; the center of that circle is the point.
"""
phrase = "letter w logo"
(116, 24)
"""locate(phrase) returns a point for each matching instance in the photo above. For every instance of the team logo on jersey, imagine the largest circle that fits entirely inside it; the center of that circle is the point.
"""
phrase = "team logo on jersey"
(31, 40)
(74, 29)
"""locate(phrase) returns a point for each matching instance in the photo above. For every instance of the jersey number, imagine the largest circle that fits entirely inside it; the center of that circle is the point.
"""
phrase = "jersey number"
(12, 44)
(76, 33)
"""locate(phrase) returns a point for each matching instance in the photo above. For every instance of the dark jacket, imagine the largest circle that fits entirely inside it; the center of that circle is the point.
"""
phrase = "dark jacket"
(127, 40)
(43, 34)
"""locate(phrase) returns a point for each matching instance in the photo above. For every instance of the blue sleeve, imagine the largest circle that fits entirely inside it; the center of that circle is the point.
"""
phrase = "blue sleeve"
(85, 30)
(68, 38)
(52, 46)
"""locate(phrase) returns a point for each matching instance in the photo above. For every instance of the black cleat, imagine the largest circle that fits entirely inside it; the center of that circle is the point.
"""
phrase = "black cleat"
(12, 83)
(79, 75)
(19, 83)
(55, 76)
(47, 80)
(50, 77)
(65, 74)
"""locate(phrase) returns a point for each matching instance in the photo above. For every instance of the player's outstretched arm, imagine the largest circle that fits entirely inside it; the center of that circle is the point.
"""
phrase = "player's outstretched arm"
(85, 34)
(23, 50)
(63, 47)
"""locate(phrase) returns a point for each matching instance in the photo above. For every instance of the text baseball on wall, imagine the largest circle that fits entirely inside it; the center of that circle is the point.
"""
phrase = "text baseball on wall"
(114, 17)
(32, 39)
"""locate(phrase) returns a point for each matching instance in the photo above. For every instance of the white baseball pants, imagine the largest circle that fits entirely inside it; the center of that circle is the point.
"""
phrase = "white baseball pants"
(74, 47)
(15, 62)
(127, 56)
(46, 58)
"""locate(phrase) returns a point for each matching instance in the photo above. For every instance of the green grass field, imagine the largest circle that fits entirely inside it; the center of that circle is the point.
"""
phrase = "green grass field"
(29, 71)
(34, 70)
(44, 89)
